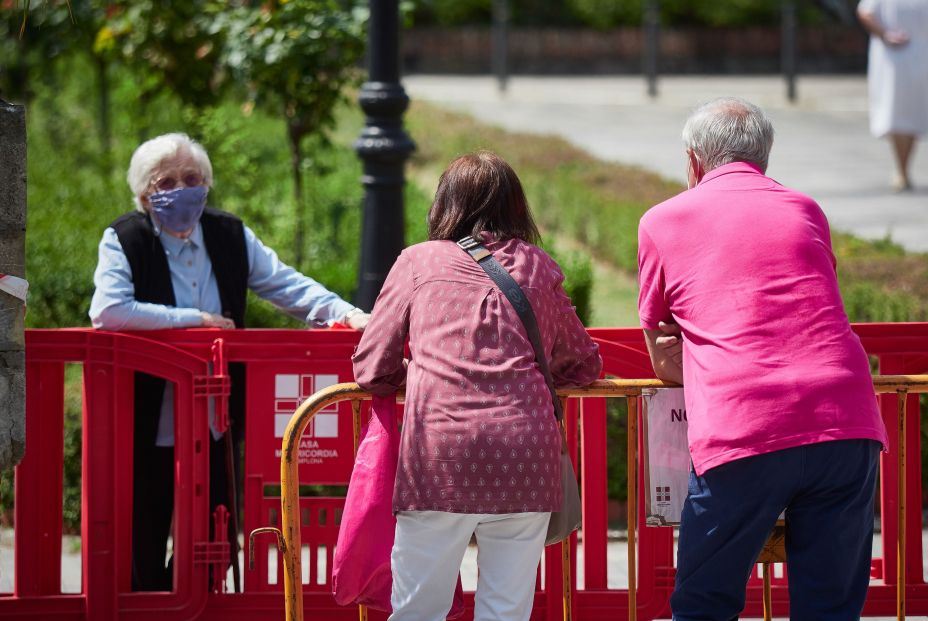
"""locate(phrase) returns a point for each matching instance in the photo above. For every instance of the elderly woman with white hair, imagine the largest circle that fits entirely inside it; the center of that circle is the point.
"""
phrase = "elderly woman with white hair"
(176, 263)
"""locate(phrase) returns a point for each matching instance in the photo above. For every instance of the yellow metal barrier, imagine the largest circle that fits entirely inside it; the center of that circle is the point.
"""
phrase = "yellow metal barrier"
(289, 538)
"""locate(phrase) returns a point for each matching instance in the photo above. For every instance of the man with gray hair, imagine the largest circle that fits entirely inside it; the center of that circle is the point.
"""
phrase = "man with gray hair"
(780, 402)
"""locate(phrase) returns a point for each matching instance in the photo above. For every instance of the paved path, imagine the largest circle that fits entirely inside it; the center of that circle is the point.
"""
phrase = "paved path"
(617, 560)
(822, 147)
(617, 565)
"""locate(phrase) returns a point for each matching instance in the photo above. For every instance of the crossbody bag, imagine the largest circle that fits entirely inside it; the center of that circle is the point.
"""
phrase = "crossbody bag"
(567, 518)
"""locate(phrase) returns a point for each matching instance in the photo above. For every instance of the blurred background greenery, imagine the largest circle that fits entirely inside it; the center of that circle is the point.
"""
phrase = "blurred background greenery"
(616, 13)
(265, 89)
(268, 88)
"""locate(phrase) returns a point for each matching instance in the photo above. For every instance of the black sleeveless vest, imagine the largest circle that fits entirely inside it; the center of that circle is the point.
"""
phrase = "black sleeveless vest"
(224, 238)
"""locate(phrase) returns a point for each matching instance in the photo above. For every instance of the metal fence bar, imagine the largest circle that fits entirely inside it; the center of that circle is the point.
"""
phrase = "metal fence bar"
(630, 389)
(566, 581)
(632, 474)
(290, 489)
(900, 534)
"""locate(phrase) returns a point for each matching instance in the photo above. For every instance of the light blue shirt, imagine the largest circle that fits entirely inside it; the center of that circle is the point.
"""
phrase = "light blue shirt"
(114, 306)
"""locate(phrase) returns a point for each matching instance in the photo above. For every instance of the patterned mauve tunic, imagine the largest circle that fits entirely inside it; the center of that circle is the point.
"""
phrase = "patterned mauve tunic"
(479, 434)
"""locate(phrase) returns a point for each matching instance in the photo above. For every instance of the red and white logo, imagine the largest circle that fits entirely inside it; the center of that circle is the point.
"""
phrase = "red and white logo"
(290, 391)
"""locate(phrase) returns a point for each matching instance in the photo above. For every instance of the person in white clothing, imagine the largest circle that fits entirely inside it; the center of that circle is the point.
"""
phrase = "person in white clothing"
(898, 75)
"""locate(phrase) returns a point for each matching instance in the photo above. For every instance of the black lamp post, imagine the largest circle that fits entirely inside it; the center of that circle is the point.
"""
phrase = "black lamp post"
(383, 146)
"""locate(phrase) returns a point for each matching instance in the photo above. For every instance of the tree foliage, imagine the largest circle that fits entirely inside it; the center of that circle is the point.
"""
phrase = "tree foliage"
(31, 42)
(172, 46)
(295, 58)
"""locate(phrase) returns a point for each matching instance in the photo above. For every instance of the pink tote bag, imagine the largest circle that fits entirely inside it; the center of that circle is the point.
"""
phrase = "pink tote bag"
(361, 569)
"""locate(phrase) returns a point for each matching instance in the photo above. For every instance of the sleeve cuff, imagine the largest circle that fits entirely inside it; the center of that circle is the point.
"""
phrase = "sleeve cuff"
(648, 324)
(349, 313)
(186, 318)
(339, 310)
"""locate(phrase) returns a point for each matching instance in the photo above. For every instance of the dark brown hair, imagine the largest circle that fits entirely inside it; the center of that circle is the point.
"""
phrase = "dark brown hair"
(480, 193)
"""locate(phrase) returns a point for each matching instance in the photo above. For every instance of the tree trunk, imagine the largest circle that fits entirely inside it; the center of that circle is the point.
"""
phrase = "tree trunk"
(12, 262)
(142, 104)
(103, 100)
(17, 77)
(295, 132)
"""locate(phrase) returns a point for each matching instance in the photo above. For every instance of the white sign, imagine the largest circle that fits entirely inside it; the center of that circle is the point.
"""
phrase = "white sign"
(290, 390)
(667, 456)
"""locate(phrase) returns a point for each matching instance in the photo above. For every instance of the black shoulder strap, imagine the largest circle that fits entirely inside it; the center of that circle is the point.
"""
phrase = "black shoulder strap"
(516, 297)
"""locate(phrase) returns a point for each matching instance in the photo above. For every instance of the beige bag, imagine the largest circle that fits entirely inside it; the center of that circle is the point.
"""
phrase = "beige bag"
(567, 519)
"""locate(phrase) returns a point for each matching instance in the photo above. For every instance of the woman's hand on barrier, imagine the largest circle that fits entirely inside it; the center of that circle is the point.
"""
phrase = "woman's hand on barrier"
(210, 320)
(357, 319)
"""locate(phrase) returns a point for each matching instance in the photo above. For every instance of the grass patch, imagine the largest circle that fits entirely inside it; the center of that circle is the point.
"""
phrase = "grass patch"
(595, 203)
(593, 207)
(880, 281)
(585, 207)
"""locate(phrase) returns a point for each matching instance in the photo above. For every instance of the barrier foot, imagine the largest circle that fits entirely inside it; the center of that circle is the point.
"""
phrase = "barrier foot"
(264, 530)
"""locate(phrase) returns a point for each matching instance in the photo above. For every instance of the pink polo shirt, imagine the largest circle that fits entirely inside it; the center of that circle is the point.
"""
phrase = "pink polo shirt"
(745, 267)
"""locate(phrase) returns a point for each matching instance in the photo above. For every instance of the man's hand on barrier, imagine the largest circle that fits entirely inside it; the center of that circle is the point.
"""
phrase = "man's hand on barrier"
(209, 320)
(671, 342)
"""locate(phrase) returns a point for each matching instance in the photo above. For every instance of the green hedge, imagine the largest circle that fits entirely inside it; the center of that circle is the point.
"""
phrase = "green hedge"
(611, 13)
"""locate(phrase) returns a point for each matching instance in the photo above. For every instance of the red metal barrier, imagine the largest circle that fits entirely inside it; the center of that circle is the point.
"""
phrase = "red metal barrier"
(900, 348)
(108, 361)
(285, 366)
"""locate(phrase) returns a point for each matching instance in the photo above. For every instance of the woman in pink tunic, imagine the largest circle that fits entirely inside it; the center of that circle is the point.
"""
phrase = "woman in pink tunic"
(480, 445)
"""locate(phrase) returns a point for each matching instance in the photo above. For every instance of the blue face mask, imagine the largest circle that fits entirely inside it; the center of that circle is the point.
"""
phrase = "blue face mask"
(179, 210)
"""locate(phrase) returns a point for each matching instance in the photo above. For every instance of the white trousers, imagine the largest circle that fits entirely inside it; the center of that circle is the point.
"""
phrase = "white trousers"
(427, 555)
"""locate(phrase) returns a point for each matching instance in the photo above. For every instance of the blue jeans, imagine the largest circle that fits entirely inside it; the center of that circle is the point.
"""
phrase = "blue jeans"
(827, 491)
